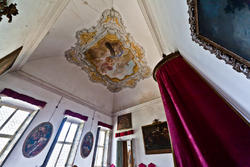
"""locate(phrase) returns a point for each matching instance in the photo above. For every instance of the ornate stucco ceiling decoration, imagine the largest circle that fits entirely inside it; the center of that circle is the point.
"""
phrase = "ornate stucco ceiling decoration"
(109, 54)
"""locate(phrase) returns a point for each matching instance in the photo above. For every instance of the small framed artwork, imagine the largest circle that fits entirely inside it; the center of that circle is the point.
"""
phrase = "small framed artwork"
(37, 139)
(156, 138)
(124, 121)
(87, 144)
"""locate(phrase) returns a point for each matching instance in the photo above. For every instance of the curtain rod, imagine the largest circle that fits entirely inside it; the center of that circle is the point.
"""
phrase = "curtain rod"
(165, 58)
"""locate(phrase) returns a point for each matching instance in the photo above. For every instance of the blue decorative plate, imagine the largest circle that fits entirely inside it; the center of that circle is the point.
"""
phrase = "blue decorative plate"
(37, 139)
(87, 144)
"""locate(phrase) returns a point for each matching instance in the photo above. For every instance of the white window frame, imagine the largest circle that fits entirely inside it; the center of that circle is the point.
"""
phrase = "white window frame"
(105, 147)
(73, 145)
(21, 129)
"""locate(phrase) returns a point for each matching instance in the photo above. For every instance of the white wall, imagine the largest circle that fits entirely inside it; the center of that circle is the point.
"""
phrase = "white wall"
(143, 114)
(172, 17)
(16, 158)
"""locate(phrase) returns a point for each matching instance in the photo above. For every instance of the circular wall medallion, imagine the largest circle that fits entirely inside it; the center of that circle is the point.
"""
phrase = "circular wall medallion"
(37, 139)
(87, 144)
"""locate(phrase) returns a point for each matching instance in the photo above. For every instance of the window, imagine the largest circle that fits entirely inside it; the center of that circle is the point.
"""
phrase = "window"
(64, 152)
(13, 122)
(101, 157)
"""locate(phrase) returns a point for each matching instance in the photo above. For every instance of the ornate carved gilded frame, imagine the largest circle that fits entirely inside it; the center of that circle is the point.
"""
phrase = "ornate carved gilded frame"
(239, 64)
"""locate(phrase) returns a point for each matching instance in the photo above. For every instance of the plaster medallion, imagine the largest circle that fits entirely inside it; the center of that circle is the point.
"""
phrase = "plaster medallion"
(109, 54)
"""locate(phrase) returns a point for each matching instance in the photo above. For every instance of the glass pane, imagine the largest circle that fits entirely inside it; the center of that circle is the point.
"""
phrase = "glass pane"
(101, 138)
(64, 131)
(63, 156)
(5, 113)
(54, 155)
(3, 142)
(72, 133)
(105, 157)
(15, 122)
(99, 154)
(75, 145)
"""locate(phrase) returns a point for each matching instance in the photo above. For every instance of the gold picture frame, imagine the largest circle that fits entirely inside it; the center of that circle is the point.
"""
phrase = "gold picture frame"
(124, 121)
(216, 32)
(156, 138)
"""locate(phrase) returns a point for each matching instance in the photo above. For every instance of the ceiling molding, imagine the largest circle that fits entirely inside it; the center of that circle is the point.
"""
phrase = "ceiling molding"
(153, 26)
(52, 88)
(39, 32)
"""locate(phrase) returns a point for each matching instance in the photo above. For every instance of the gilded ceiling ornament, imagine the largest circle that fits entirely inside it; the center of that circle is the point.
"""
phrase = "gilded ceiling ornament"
(7, 10)
(109, 54)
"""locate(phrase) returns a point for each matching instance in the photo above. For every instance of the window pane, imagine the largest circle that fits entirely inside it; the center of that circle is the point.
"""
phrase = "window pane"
(64, 131)
(101, 138)
(99, 154)
(15, 122)
(54, 155)
(5, 113)
(3, 142)
(64, 152)
(71, 133)
(63, 156)
(105, 157)
(75, 145)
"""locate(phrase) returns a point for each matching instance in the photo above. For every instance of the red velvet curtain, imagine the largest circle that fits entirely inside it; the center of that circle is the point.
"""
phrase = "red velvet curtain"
(19, 96)
(205, 130)
(77, 115)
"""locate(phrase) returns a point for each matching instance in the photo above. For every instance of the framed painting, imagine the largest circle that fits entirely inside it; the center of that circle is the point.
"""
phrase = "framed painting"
(87, 144)
(124, 121)
(7, 61)
(156, 138)
(223, 28)
(37, 139)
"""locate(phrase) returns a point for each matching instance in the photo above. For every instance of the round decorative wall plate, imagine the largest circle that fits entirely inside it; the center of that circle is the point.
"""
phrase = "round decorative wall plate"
(37, 139)
(87, 144)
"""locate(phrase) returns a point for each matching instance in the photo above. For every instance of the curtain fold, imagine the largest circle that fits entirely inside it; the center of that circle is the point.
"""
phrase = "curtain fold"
(205, 130)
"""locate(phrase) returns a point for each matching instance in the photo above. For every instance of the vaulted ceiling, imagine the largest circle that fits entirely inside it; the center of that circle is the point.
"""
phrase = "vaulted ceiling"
(46, 29)
(48, 66)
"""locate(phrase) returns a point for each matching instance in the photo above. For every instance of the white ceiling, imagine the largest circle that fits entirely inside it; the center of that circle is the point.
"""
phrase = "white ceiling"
(49, 66)
(29, 27)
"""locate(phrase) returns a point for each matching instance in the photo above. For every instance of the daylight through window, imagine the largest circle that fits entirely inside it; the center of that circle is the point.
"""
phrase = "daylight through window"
(13, 122)
(63, 154)
(101, 159)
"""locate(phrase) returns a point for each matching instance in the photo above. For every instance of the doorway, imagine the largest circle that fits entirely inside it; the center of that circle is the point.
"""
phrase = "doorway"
(125, 154)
